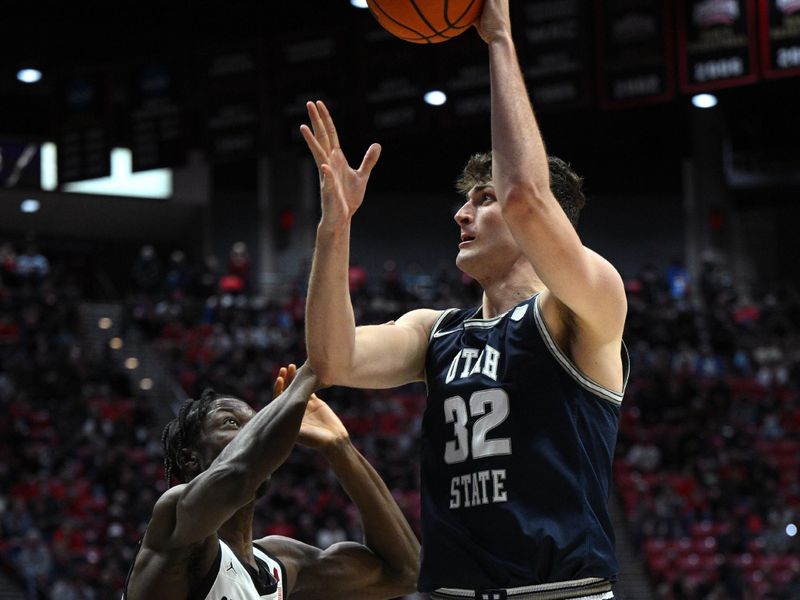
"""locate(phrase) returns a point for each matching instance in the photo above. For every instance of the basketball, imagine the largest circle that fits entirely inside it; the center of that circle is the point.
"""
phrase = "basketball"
(425, 21)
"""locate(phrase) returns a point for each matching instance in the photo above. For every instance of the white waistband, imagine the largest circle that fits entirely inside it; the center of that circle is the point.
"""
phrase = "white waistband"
(590, 588)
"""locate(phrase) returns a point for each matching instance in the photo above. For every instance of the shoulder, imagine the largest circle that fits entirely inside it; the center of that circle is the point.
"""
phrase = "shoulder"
(422, 318)
(292, 554)
(160, 565)
(286, 549)
(162, 523)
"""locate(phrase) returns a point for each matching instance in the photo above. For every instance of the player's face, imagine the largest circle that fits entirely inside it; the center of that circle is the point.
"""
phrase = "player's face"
(224, 420)
(486, 246)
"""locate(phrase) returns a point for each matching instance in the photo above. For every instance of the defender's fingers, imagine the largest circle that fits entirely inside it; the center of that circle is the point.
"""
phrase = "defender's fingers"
(291, 371)
(277, 388)
(328, 122)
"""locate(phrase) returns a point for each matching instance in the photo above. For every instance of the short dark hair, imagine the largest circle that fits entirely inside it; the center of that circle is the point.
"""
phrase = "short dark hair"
(184, 432)
(565, 183)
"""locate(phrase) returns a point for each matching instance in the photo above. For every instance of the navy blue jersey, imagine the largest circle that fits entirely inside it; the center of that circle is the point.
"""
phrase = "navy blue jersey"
(516, 457)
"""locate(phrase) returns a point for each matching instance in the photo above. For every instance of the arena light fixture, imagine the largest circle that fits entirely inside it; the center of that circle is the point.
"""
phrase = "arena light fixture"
(29, 75)
(115, 343)
(146, 384)
(791, 530)
(131, 363)
(435, 97)
(704, 100)
(359, 3)
(30, 205)
(104, 323)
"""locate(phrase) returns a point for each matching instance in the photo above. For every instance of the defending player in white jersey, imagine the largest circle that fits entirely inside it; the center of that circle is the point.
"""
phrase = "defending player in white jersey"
(199, 543)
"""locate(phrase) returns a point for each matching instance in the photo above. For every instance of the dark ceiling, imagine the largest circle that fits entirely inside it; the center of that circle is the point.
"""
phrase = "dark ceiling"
(638, 147)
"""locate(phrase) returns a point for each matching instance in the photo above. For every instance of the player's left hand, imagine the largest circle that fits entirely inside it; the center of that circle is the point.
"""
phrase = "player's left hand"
(494, 21)
(342, 187)
(321, 429)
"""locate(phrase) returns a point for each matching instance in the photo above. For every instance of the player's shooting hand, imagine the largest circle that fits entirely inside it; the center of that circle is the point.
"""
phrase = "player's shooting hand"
(342, 187)
(494, 21)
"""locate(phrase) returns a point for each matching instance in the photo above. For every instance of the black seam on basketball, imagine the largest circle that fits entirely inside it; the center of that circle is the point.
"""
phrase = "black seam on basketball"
(461, 16)
(395, 21)
(422, 16)
(443, 33)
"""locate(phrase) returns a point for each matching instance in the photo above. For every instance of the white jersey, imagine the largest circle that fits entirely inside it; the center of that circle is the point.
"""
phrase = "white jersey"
(235, 581)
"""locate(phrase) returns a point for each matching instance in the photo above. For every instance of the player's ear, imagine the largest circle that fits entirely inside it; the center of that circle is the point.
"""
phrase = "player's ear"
(189, 462)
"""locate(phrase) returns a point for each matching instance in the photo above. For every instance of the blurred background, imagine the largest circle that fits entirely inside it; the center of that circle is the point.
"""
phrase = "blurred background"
(157, 217)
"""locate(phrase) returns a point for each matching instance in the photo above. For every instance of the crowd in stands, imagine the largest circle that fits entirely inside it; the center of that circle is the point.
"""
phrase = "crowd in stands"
(708, 456)
(706, 466)
(74, 443)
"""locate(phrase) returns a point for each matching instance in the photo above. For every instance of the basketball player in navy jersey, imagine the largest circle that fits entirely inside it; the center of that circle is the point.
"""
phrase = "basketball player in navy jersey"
(523, 390)
(199, 543)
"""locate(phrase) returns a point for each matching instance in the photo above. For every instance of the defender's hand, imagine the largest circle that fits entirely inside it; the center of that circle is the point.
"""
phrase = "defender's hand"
(321, 429)
(494, 21)
(284, 378)
(342, 187)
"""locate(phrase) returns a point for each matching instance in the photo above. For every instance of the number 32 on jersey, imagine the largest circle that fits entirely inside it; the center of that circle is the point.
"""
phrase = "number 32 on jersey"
(479, 487)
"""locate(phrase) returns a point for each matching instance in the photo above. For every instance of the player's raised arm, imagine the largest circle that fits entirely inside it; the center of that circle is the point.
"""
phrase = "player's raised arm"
(376, 356)
(386, 565)
(581, 279)
(198, 508)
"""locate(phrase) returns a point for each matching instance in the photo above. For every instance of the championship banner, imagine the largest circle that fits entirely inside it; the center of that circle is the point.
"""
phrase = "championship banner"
(716, 44)
(634, 52)
(83, 104)
(780, 37)
(233, 104)
(393, 78)
(157, 117)
(553, 39)
(309, 67)
(463, 69)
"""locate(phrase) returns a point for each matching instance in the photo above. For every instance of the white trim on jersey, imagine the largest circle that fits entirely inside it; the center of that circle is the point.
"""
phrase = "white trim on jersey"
(438, 321)
(572, 369)
(234, 581)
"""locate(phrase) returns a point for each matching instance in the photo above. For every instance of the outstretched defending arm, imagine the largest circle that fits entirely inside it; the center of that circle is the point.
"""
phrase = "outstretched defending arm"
(186, 518)
(581, 279)
(376, 356)
(190, 513)
(386, 565)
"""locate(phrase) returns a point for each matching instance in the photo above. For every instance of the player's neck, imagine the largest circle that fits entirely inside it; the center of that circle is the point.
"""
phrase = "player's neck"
(237, 532)
(504, 293)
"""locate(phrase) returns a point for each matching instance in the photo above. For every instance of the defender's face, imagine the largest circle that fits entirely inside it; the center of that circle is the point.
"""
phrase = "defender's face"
(224, 420)
(485, 242)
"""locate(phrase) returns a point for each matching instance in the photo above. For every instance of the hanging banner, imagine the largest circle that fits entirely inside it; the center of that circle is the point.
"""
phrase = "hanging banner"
(634, 52)
(157, 117)
(83, 109)
(462, 66)
(780, 38)
(553, 41)
(716, 44)
(233, 104)
(308, 65)
(393, 78)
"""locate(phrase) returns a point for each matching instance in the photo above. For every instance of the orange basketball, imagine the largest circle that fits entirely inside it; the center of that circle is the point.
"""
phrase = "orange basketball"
(425, 21)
